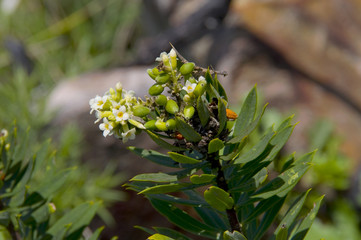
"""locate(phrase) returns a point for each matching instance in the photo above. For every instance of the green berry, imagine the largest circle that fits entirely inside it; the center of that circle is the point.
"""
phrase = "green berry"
(151, 74)
(150, 125)
(188, 112)
(171, 124)
(162, 78)
(155, 90)
(161, 126)
(161, 100)
(141, 111)
(187, 68)
(172, 107)
(200, 88)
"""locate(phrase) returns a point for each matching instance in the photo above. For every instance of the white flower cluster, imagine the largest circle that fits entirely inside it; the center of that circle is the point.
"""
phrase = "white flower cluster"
(115, 109)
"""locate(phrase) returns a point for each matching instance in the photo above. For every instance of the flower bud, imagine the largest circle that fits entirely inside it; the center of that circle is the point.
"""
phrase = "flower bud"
(141, 111)
(171, 124)
(165, 60)
(187, 98)
(162, 78)
(136, 124)
(150, 125)
(173, 58)
(187, 68)
(118, 87)
(161, 100)
(188, 112)
(160, 125)
(200, 88)
(151, 74)
(192, 80)
(172, 107)
(155, 90)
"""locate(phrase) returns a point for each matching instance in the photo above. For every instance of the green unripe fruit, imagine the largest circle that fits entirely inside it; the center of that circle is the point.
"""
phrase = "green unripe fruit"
(187, 68)
(187, 98)
(171, 124)
(155, 71)
(162, 78)
(141, 111)
(161, 100)
(155, 90)
(151, 74)
(161, 126)
(172, 107)
(200, 88)
(150, 125)
(188, 112)
(192, 80)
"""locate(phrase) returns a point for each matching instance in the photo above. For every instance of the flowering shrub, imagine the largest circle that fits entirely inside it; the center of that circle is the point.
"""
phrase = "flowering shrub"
(187, 112)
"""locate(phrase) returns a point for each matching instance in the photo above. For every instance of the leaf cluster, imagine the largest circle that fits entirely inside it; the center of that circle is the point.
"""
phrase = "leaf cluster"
(241, 200)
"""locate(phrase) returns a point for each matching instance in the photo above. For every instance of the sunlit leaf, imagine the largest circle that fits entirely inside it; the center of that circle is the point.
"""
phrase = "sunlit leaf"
(187, 131)
(182, 158)
(215, 145)
(155, 177)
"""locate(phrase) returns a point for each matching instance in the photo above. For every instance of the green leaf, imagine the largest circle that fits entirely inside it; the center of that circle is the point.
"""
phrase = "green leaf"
(183, 220)
(215, 145)
(177, 200)
(207, 214)
(182, 158)
(235, 235)
(284, 183)
(171, 233)
(164, 188)
(203, 178)
(306, 223)
(290, 216)
(145, 229)
(202, 110)
(256, 150)
(187, 131)
(77, 219)
(282, 233)
(268, 218)
(155, 177)
(239, 136)
(158, 236)
(96, 234)
(262, 207)
(209, 78)
(253, 183)
(155, 157)
(247, 113)
(218, 198)
(220, 88)
(163, 143)
(222, 116)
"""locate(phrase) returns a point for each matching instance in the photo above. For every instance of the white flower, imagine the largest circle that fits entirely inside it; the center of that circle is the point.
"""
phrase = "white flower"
(189, 87)
(121, 114)
(201, 78)
(130, 134)
(128, 95)
(106, 127)
(97, 102)
(160, 58)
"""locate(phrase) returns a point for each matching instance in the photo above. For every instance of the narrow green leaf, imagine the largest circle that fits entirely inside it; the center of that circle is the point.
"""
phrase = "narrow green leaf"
(268, 218)
(187, 131)
(256, 150)
(155, 157)
(222, 116)
(215, 145)
(163, 143)
(177, 200)
(145, 229)
(77, 219)
(182, 158)
(281, 185)
(158, 236)
(238, 137)
(291, 215)
(263, 206)
(253, 183)
(247, 113)
(183, 220)
(235, 235)
(306, 223)
(96, 234)
(171, 233)
(155, 177)
(220, 88)
(164, 188)
(209, 78)
(207, 214)
(202, 110)
(218, 198)
(203, 178)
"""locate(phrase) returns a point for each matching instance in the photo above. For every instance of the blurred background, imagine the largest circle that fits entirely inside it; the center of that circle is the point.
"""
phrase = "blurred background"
(305, 57)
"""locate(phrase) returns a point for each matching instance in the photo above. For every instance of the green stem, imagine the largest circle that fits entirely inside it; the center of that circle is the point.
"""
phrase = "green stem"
(221, 183)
